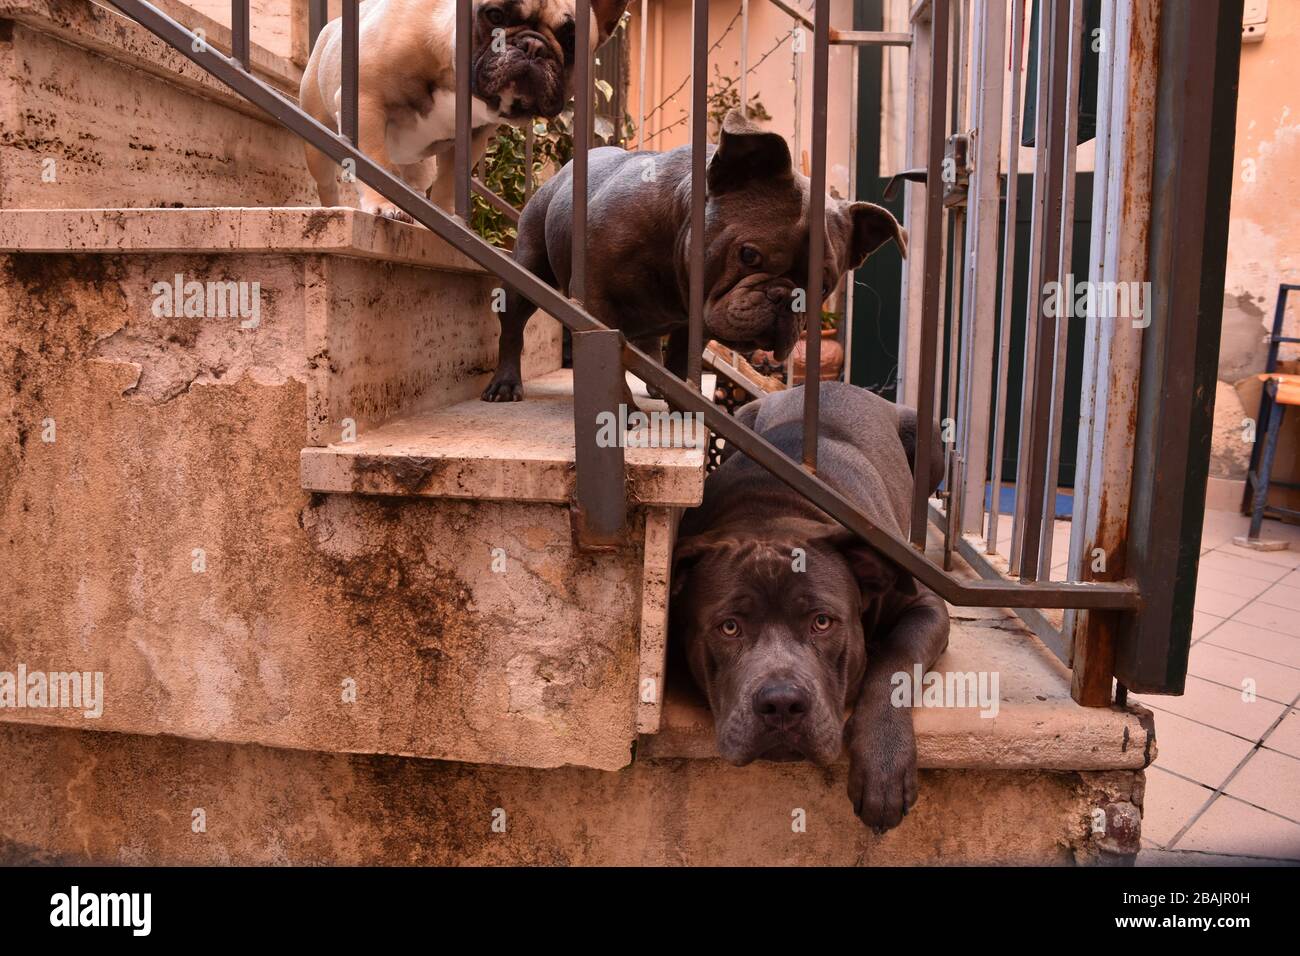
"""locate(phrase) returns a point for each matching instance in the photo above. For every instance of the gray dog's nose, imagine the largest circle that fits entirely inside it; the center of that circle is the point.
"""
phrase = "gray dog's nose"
(781, 705)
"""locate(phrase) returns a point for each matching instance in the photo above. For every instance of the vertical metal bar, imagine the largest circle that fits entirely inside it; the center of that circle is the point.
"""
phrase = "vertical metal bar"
(349, 88)
(317, 16)
(1196, 95)
(640, 83)
(1008, 275)
(581, 144)
(464, 105)
(914, 208)
(239, 29)
(600, 489)
(744, 57)
(816, 233)
(699, 150)
(1031, 276)
(1057, 26)
(530, 136)
(933, 283)
(855, 66)
(1064, 254)
(982, 262)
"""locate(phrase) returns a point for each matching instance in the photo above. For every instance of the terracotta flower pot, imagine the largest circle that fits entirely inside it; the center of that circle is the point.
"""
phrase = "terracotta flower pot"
(832, 357)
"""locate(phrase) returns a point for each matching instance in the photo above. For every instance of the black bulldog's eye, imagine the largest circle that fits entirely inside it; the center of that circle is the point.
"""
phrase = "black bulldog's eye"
(822, 623)
(495, 16)
(750, 256)
(729, 627)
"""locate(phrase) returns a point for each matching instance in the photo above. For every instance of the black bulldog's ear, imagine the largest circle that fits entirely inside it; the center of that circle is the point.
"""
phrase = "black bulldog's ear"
(745, 153)
(873, 226)
(608, 13)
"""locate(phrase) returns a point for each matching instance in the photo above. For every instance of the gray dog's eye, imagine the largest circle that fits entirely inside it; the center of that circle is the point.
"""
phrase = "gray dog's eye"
(750, 256)
(729, 627)
(822, 622)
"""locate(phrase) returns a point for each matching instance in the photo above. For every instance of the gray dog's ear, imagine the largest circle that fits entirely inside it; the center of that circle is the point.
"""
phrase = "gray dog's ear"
(875, 575)
(607, 14)
(873, 226)
(689, 550)
(746, 152)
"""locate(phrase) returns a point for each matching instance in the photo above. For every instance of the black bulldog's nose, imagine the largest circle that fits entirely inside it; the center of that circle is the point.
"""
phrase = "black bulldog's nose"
(781, 705)
(533, 45)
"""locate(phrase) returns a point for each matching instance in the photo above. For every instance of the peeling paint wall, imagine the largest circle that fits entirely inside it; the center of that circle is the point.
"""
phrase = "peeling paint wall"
(1264, 233)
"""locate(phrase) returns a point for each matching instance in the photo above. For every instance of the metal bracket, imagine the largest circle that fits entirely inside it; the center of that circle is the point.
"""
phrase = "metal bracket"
(598, 512)
(957, 158)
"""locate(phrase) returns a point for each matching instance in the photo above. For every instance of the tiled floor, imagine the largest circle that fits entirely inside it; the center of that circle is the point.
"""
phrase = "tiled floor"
(1225, 786)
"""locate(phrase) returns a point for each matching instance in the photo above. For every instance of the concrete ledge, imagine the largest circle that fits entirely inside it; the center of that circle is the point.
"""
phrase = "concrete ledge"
(284, 230)
(102, 798)
(1037, 726)
(520, 451)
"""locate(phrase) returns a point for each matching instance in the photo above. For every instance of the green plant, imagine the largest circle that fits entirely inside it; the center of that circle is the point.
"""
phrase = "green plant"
(503, 172)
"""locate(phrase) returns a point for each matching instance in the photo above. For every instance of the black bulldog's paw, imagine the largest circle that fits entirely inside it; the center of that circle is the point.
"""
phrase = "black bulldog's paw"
(882, 770)
(505, 386)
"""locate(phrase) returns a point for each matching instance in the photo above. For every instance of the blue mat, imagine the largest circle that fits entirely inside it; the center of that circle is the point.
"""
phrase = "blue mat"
(1007, 501)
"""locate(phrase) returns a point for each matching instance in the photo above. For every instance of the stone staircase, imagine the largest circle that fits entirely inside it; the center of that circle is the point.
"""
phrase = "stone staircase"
(335, 598)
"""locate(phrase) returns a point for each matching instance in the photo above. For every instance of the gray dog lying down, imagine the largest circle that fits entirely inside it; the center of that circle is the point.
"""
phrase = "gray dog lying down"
(783, 649)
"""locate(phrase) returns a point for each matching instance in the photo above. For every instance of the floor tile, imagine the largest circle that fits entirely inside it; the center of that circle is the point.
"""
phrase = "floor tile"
(1220, 527)
(1287, 558)
(1245, 567)
(1193, 750)
(1230, 826)
(1277, 619)
(1258, 641)
(1271, 781)
(1221, 603)
(1203, 624)
(1229, 582)
(1286, 738)
(1218, 707)
(1282, 595)
(1168, 804)
(1232, 668)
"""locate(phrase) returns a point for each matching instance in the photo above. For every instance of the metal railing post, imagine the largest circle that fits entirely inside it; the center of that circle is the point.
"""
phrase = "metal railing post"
(699, 152)
(932, 291)
(582, 87)
(350, 89)
(599, 508)
(239, 30)
(816, 235)
(1196, 101)
(464, 107)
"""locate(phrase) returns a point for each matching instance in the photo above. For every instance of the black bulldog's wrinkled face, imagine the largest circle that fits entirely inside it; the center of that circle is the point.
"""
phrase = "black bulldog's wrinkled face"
(524, 52)
(757, 240)
(776, 644)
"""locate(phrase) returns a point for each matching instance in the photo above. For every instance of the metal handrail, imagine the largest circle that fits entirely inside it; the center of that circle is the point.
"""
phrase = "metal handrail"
(1085, 595)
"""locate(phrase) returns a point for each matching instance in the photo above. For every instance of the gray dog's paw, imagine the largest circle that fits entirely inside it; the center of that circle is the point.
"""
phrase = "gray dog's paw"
(504, 388)
(882, 771)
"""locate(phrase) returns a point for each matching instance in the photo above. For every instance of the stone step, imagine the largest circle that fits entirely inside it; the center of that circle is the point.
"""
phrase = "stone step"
(520, 451)
(77, 797)
(150, 491)
(99, 112)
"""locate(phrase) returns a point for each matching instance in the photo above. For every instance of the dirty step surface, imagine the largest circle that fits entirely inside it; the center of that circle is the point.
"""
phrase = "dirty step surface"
(519, 451)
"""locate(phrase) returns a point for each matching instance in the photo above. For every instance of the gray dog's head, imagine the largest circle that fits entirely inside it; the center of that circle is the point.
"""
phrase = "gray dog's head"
(757, 240)
(524, 52)
(771, 623)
